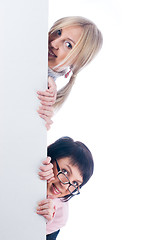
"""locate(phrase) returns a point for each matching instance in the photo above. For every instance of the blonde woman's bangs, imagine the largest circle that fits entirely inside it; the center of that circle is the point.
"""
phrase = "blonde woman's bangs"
(66, 22)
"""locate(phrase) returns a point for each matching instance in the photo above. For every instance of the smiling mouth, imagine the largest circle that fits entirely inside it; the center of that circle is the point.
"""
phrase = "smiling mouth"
(52, 53)
(55, 190)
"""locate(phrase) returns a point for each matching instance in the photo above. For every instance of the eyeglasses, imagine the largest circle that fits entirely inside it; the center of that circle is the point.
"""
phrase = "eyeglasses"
(65, 180)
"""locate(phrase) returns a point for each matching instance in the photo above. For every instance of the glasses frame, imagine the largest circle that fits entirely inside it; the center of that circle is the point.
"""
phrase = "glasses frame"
(70, 184)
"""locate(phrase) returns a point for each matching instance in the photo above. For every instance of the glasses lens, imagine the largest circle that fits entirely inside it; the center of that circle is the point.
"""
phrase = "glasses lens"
(63, 178)
(74, 190)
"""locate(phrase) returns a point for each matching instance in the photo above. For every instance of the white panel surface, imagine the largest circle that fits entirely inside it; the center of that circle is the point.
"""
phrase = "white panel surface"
(23, 71)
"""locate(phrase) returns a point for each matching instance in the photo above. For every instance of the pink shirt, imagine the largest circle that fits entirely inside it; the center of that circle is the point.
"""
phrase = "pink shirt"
(60, 216)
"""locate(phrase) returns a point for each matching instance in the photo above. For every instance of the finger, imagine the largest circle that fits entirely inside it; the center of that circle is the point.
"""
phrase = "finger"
(48, 102)
(43, 207)
(45, 112)
(48, 178)
(46, 212)
(44, 201)
(48, 108)
(47, 161)
(46, 93)
(47, 126)
(43, 212)
(44, 103)
(51, 94)
(51, 90)
(47, 119)
(46, 98)
(51, 83)
(46, 175)
(47, 167)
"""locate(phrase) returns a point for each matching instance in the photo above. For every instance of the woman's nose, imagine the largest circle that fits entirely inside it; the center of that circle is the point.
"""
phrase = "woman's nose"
(65, 186)
(55, 44)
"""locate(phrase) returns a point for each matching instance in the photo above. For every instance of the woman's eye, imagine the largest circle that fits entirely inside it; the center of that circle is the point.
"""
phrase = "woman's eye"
(75, 184)
(58, 32)
(68, 44)
(65, 171)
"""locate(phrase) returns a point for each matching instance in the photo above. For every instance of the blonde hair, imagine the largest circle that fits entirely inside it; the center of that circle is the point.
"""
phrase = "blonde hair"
(83, 52)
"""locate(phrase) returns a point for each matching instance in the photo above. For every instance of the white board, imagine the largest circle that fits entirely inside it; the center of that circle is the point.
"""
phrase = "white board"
(23, 140)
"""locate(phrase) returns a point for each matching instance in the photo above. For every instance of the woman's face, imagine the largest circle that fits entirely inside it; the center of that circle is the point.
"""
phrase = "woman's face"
(62, 44)
(56, 189)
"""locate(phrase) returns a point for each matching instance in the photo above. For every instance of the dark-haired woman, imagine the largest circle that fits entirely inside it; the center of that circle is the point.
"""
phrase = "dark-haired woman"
(68, 167)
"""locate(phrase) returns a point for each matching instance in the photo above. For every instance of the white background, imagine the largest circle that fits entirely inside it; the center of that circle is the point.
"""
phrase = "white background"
(114, 108)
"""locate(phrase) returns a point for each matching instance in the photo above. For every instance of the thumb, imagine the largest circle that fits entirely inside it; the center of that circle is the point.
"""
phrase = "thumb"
(47, 161)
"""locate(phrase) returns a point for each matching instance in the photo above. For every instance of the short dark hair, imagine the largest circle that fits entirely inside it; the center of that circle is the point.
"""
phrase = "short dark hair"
(79, 154)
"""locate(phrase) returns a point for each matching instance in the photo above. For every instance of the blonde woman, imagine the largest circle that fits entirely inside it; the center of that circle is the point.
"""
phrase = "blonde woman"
(73, 43)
